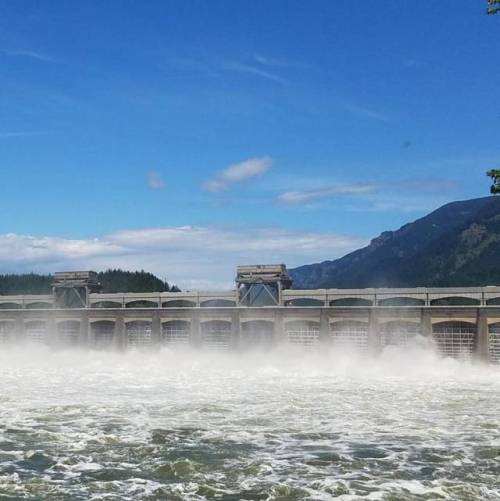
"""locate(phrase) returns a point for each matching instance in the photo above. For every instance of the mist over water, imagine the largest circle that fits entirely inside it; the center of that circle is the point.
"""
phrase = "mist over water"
(281, 424)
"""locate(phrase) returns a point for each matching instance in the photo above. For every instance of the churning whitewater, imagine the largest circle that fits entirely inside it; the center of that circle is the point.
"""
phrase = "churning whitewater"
(278, 425)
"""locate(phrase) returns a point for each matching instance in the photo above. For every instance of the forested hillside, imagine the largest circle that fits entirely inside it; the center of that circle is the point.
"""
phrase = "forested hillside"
(110, 280)
(456, 245)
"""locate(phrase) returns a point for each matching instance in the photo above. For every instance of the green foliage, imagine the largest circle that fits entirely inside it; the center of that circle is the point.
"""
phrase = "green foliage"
(493, 7)
(111, 281)
(25, 284)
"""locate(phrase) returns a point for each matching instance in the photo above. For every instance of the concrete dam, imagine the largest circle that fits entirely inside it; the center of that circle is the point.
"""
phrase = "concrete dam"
(263, 309)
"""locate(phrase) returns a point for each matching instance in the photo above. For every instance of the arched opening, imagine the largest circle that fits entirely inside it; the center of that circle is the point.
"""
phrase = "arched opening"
(39, 305)
(398, 332)
(455, 339)
(455, 301)
(256, 334)
(302, 332)
(68, 332)
(178, 303)
(352, 334)
(102, 334)
(10, 306)
(494, 301)
(106, 304)
(216, 335)
(494, 343)
(351, 301)
(217, 303)
(401, 301)
(138, 334)
(176, 332)
(6, 331)
(305, 301)
(141, 304)
(35, 331)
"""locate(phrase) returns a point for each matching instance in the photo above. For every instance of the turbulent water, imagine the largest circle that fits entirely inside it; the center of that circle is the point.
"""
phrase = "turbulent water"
(282, 425)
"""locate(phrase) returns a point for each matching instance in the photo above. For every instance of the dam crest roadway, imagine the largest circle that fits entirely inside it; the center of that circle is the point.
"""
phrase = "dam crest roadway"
(462, 322)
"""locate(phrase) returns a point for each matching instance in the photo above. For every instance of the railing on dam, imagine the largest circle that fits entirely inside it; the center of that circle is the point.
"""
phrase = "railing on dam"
(393, 297)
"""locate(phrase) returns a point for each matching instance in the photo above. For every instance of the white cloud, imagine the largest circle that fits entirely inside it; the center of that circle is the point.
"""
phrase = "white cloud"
(24, 133)
(253, 70)
(306, 196)
(31, 54)
(237, 173)
(365, 112)
(154, 180)
(192, 257)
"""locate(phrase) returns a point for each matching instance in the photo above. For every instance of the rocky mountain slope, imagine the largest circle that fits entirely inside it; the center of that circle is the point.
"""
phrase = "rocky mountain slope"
(456, 245)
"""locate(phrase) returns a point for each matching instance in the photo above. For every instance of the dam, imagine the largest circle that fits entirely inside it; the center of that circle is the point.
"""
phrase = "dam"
(263, 309)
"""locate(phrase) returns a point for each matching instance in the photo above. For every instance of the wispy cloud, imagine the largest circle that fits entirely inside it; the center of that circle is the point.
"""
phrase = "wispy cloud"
(38, 56)
(238, 173)
(155, 181)
(24, 133)
(307, 196)
(365, 112)
(193, 257)
(253, 70)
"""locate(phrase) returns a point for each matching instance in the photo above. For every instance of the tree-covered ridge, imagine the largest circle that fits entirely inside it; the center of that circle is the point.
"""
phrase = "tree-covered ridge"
(110, 280)
(456, 245)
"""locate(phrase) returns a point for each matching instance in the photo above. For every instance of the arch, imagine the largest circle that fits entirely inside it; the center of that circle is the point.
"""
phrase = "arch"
(494, 343)
(141, 303)
(10, 306)
(351, 301)
(493, 301)
(302, 332)
(401, 301)
(257, 334)
(102, 334)
(398, 332)
(216, 335)
(304, 301)
(138, 333)
(455, 301)
(455, 339)
(178, 303)
(35, 331)
(352, 334)
(38, 305)
(176, 332)
(217, 303)
(106, 304)
(7, 329)
(68, 332)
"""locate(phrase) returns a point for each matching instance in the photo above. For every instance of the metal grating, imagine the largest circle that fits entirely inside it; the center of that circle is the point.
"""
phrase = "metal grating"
(138, 334)
(350, 335)
(69, 333)
(103, 334)
(398, 333)
(257, 334)
(36, 332)
(216, 335)
(455, 339)
(494, 343)
(6, 329)
(176, 333)
(304, 334)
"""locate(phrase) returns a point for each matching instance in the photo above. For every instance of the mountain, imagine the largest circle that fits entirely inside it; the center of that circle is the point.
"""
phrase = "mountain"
(456, 245)
(110, 280)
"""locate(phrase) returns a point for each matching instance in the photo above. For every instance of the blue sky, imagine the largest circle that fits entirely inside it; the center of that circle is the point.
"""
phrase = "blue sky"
(184, 137)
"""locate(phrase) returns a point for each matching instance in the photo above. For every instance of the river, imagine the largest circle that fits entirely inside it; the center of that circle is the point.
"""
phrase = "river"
(279, 425)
